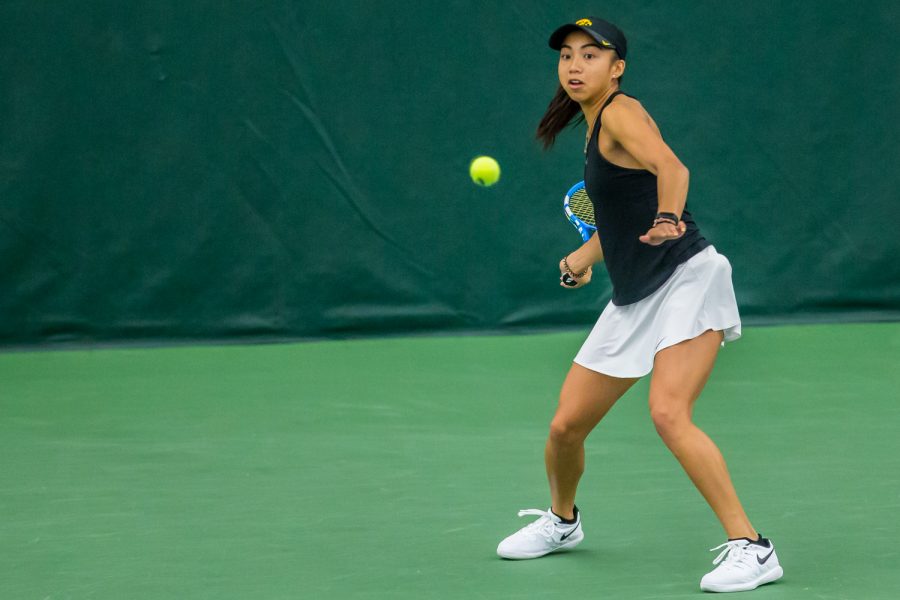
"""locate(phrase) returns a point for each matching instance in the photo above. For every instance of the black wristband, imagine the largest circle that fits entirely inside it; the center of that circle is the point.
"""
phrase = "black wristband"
(668, 217)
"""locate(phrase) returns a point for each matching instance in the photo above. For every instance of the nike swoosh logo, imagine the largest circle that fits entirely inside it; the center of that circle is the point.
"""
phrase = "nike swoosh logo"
(762, 561)
(563, 538)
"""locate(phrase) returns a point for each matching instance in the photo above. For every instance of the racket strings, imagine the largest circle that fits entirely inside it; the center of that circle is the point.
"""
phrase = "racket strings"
(581, 207)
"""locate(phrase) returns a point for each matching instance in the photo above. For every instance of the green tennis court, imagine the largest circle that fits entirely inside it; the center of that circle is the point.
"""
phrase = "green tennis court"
(391, 468)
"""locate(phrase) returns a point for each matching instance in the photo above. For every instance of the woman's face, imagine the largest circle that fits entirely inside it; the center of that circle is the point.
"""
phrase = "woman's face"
(586, 70)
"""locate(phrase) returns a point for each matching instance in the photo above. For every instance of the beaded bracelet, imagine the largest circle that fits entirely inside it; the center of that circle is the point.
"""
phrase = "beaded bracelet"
(569, 270)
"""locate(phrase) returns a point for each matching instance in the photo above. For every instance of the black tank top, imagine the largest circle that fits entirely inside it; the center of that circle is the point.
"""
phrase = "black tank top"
(625, 204)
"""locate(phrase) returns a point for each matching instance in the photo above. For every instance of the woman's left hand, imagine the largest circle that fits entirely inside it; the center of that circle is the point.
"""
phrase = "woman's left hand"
(663, 233)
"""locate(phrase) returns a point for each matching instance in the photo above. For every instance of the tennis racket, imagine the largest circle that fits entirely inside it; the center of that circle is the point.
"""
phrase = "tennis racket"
(580, 212)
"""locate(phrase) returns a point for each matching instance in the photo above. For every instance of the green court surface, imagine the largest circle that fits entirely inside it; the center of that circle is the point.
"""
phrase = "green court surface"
(392, 468)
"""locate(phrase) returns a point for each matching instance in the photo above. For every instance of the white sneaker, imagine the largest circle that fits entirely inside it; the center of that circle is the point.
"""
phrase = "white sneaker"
(742, 566)
(547, 534)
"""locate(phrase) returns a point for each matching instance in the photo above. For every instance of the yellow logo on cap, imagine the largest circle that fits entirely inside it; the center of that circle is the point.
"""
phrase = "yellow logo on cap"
(584, 22)
(605, 43)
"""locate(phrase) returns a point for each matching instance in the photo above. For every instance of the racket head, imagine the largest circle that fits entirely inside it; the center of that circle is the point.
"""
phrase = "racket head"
(579, 210)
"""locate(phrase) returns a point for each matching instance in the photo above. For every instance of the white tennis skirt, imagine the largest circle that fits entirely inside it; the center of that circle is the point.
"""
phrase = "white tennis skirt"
(697, 297)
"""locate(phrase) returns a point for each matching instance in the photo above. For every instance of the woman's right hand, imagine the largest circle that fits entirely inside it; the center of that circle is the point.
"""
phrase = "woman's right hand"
(564, 276)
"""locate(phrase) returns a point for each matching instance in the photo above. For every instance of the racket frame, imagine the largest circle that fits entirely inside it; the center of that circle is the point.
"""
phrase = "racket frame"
(584, 229)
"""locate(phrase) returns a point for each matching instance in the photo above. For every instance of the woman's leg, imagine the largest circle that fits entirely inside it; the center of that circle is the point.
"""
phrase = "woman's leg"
(585, 398)
(679, 374)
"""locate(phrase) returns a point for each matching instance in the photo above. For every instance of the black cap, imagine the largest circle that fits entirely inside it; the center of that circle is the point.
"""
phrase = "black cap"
(606, 34)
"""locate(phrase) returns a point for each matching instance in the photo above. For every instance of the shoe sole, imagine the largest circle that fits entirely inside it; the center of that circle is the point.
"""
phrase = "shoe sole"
(570, 543)
(767, 577)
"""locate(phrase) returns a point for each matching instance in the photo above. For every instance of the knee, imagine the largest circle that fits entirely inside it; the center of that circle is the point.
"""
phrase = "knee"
(564, 432)
(668, 420)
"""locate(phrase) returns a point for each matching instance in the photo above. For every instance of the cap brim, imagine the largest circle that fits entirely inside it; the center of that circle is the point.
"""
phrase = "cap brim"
(559, 36)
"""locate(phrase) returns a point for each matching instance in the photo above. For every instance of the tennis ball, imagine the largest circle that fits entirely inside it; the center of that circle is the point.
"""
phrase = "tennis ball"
(484, 171)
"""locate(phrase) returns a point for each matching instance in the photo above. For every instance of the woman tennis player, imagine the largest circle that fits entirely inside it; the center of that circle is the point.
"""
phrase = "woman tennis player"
(672, 306)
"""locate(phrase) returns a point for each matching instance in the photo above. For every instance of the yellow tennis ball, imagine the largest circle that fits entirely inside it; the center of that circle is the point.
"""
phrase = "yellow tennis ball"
(485, 171)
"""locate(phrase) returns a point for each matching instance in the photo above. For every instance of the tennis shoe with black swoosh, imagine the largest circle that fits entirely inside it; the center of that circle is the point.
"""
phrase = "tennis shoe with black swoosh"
(547, 534)
(742, 565)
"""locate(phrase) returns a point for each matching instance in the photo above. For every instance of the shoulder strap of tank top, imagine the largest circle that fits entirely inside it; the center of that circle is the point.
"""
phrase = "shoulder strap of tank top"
(608, 100)
(596, 131)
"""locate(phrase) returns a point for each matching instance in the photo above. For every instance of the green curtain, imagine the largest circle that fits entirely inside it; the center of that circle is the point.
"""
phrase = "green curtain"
(276, 170)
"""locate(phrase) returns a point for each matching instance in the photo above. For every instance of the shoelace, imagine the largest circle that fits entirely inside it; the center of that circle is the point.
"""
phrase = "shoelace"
(543, 526)
(733, 554)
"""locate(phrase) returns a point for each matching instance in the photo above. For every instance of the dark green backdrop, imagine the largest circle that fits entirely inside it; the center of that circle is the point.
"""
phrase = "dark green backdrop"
(265, 169)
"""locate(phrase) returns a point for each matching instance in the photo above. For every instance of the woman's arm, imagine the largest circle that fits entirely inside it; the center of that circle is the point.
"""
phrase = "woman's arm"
(589, 253)
(581, 261)
(628, 125)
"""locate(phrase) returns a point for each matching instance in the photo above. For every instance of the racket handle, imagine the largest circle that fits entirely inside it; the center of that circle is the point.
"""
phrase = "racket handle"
(568, 281)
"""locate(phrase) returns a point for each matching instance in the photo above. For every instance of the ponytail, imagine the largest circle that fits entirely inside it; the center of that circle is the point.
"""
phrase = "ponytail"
(560, 113)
